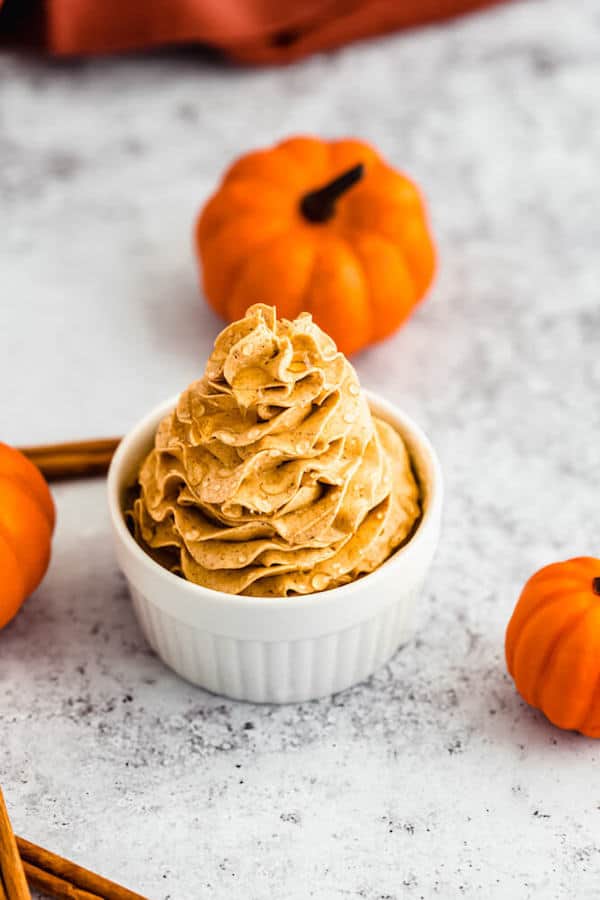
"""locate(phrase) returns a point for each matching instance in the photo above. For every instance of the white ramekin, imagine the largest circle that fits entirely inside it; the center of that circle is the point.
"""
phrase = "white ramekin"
(276, 650)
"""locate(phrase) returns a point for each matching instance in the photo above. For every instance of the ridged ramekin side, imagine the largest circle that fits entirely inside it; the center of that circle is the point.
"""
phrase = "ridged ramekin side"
(276, 671)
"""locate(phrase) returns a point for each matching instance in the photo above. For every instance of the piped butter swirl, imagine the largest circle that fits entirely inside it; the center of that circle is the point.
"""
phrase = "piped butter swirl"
(271, 477)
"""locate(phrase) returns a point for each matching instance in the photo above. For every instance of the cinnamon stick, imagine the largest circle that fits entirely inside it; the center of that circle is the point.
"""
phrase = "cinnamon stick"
(2, 891)
(11, 868)
(76, 459)
(53, 886)
(76, 876)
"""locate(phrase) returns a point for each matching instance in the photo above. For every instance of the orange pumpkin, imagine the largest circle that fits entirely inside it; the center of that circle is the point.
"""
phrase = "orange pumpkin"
(322, 226)
(26, 524)
(553, 644)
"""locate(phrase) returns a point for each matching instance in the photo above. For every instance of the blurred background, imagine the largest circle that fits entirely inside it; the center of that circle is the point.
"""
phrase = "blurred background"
(106, 160)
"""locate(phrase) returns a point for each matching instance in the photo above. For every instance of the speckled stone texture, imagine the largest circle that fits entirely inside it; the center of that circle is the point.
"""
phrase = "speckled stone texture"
(433, 779)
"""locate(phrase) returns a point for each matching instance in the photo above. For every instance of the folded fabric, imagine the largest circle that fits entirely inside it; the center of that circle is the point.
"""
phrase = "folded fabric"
(252, 31)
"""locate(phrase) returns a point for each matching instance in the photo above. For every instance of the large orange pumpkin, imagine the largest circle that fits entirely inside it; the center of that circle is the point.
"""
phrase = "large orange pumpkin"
(26, 525)
(553, 644)
(322, 226)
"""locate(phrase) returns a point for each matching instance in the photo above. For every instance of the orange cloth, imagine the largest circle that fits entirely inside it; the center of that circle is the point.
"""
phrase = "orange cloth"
(252, 31)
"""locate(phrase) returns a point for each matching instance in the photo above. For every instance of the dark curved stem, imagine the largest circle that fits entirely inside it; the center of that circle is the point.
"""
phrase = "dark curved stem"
(319, 205)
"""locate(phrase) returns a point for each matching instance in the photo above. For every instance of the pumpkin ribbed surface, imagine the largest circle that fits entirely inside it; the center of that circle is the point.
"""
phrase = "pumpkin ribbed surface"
(26, 524)
(359, 262)
(553, 644)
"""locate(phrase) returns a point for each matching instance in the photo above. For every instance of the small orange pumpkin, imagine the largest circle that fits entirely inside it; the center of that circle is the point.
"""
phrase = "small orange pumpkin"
(322, 226)
(26, 524)
(553, 644)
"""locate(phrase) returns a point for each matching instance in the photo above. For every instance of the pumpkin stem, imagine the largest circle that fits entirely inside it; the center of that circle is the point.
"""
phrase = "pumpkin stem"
(319, 205)
(596, 586)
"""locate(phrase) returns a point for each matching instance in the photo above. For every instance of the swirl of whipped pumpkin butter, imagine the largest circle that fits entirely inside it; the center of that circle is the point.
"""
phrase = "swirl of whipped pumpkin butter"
(272, 477)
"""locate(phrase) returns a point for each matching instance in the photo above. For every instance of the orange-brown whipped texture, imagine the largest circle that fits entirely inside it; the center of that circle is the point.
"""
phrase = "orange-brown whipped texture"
(272, 477)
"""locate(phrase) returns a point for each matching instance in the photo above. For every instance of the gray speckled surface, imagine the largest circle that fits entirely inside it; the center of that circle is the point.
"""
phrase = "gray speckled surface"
(433, 779)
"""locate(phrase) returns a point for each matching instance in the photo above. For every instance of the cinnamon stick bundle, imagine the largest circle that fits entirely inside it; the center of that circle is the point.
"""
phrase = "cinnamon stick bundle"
(12, 876)
(52, 886)
(65, 880)
(77, 459)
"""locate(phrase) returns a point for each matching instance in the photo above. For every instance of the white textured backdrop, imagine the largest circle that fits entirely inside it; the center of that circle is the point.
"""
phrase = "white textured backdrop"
(433, 779)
